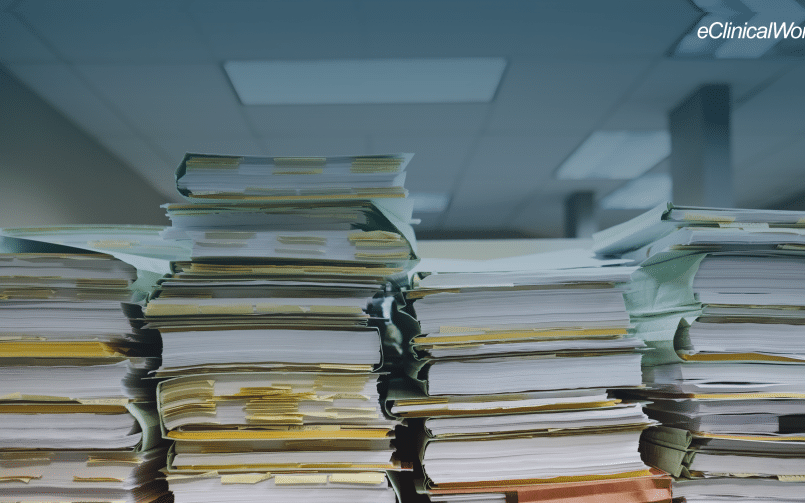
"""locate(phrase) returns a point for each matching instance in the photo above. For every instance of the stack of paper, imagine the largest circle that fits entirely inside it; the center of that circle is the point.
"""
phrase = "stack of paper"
(720, 296)
(77, 420)
(271, 330)
(511, 376)
(276, 179)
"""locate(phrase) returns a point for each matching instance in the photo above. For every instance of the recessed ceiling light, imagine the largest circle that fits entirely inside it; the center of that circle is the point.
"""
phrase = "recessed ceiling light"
(429, 202)
(359, 81)
(618, 155)
(645, 192)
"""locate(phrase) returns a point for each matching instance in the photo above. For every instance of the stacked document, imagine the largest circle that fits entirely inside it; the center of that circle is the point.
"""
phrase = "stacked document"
(272, 328)
(510, 379)
(276, 179)
(720, 296)
(77, 420)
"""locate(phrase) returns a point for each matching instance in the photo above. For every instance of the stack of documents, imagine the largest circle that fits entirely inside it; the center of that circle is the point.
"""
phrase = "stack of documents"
(77, 420)
(720, 297)
(510, 379)
(272, 328)
(276, 179)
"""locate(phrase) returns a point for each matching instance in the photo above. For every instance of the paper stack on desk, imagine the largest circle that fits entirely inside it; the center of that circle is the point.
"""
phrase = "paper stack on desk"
(721, 297)
(77, 420)
(511, 376)
(272, 330)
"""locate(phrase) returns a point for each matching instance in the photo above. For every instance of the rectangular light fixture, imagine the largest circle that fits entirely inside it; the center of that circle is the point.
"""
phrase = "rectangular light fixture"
(366, 81)
(642, 193)
(616, 155)
(429, 202)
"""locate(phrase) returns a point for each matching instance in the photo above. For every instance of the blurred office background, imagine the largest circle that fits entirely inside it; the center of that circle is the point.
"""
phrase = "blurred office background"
(528, 119)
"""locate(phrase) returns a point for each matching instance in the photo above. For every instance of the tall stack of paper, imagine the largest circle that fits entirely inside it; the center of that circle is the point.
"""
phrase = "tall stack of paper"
(272, 329)
(511, 378)
(77, 420)
(721, 296)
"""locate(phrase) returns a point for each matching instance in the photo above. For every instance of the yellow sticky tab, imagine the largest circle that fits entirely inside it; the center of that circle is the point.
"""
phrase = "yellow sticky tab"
(205, 475)
(120, 402)
(302, 240)
(60, 408)
(22, 479)
(52, 349)
(281, 480)
(95, 461)
(244, 478)
(202, 162)
(791, 478)
(160, 309)
(373, 478)
(374, 236)
(703, 217)
(264, 308)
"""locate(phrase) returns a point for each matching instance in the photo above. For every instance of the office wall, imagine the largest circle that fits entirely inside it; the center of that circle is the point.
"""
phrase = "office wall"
(51, 172)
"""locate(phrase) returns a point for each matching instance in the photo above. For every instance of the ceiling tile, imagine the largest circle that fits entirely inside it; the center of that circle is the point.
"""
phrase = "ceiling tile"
(361, 119)
(563, 96)
(280, 29)
(515, 170)
(93, 31)
(750, 148)
(558, 28)
(18, 44)
(438, 159)
(149, 163)
(66, 92)
(671, 81)
(526, 160)
(315, 145)
(635, 116)
(541, 216)
(778, 108)
(773, 178)
(163, 100)
(482, 211)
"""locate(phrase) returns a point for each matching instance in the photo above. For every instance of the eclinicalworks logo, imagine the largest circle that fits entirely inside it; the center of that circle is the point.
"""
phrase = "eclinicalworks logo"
(774, 30)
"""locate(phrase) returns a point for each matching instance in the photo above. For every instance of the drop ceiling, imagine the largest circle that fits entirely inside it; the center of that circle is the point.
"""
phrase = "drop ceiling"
(146, 79)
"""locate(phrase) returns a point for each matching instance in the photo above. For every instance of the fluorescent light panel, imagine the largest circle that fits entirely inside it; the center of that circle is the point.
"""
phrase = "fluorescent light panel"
(618, 155)
(429, 202)
(645, 192)
(364, 81)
